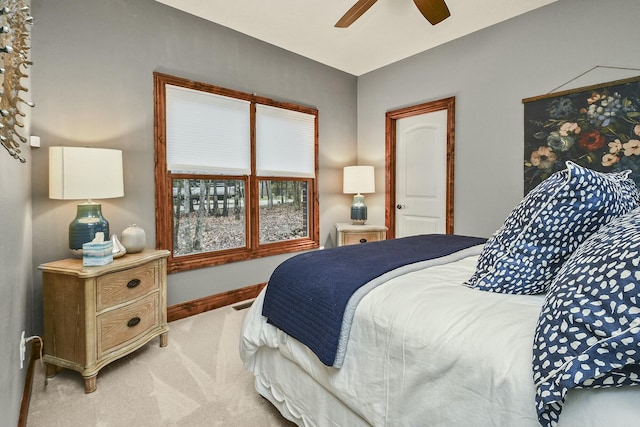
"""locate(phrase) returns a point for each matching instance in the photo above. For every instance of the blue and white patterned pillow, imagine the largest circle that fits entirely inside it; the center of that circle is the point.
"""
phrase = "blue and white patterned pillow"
(588, 333)
(538, 236)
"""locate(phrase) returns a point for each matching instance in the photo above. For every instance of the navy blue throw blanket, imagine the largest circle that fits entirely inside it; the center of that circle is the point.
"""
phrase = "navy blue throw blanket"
(307, 294)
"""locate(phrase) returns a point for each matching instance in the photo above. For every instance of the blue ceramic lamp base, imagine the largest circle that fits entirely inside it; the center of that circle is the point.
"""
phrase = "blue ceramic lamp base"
(88, 222)
(358, 210)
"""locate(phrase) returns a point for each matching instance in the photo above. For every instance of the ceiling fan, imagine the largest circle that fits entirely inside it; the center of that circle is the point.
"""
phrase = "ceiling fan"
(434, 10)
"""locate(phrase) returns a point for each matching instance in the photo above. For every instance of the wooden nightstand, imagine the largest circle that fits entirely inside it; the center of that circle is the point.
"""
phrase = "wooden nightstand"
(95, 315)
(350, 234)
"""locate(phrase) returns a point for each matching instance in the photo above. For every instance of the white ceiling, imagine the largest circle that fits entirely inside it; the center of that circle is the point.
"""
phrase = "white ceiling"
(388, 32)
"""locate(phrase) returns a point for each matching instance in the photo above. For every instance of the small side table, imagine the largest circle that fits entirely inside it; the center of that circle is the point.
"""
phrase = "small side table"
(351, 234)
(95, 315)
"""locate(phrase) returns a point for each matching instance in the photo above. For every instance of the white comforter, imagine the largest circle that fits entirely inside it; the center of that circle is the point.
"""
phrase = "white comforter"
(426, 351)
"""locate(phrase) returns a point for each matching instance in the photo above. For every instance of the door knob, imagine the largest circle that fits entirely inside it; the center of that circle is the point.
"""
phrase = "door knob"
(399, 206)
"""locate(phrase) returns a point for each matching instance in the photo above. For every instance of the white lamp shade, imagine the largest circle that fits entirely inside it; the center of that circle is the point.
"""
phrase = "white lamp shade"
(358, 180)
(77, 173)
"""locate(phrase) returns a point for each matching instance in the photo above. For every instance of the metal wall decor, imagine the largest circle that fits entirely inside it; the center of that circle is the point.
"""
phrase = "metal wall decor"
(15, 24)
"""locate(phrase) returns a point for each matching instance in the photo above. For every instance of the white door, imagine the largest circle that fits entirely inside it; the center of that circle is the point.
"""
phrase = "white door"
(421, 174)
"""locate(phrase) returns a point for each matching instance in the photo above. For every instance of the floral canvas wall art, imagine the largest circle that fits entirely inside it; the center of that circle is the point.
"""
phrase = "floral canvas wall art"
(597, 127)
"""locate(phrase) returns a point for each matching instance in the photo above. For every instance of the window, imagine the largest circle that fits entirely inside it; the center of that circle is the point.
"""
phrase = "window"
(235, 174)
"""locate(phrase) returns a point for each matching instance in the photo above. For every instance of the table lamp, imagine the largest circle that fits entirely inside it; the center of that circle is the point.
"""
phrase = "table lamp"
(77, 173)
(358, 180)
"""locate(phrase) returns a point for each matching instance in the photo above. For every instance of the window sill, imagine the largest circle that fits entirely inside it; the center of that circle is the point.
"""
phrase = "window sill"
(202, 260)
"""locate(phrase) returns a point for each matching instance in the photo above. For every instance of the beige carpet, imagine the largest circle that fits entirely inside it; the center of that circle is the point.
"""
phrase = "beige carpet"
(197, 380)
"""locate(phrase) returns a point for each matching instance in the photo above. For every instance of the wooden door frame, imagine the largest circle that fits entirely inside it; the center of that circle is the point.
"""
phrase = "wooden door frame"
(392, 117)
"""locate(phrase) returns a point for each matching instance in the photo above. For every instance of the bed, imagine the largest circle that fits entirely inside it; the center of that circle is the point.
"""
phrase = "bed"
(443, 341)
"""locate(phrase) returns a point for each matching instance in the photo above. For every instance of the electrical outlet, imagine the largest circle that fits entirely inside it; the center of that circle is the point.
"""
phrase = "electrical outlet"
(23, 349)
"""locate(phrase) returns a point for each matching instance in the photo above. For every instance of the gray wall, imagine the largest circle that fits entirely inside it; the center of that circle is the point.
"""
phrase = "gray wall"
(15, 277)
(490, 72)
(92, 83)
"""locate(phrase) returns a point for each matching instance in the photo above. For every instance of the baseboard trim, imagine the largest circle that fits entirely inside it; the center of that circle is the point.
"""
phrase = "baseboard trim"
(34, 356)
(191, 308)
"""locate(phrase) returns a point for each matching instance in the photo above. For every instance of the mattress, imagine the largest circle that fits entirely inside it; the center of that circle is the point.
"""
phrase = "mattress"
(423, 350)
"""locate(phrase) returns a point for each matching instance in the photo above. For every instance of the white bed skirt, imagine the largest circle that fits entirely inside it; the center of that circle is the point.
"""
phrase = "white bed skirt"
(290, 389)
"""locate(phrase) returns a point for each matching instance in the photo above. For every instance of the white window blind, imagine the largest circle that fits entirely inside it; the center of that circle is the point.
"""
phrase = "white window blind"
(207, 133)
(285, 142)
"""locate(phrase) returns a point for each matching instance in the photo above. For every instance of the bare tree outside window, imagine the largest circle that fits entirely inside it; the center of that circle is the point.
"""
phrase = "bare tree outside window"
(208, 215)
(283, 210)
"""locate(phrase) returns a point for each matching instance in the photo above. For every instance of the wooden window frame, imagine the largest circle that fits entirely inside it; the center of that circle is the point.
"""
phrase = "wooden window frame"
(164, 196)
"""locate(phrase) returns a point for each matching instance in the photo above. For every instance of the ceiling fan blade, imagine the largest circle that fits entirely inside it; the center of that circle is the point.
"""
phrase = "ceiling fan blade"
(434, 10)
(354, 13)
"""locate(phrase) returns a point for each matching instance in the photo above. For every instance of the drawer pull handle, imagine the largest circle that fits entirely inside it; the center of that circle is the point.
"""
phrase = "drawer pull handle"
(133, 322)
(363, 240)
(133, 283)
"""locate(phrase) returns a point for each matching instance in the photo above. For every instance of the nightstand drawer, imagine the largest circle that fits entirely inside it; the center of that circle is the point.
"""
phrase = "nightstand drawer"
(122, 286)
(118, 326)
(351, 234)
(361, 237)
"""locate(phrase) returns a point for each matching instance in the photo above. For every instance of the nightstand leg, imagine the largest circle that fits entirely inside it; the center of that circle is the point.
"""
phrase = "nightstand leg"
(164, 339)
(90, 383)
(52, 370)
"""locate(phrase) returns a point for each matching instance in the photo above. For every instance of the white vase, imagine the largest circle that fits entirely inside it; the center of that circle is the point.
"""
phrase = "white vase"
(133, 239)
